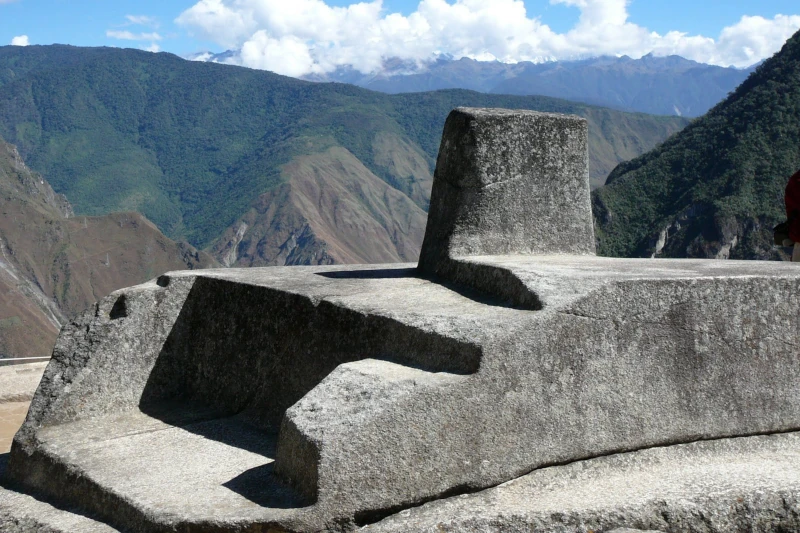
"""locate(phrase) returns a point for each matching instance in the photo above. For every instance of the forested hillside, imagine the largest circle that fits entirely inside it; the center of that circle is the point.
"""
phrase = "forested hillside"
(716, 188)
(199, 148)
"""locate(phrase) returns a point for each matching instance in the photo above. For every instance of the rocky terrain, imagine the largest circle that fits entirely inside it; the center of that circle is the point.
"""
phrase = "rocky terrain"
(331, 209)
(54, 264)
(715, 189)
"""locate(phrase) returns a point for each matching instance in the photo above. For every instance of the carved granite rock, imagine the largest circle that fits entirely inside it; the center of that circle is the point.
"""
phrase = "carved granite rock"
(749, 484)
(328, 398)
(507, 183)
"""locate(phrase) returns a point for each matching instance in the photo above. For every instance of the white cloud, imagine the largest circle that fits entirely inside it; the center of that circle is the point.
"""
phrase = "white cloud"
(306, 36)
(138, 20)
(202, 56)
(141, 20)
(287, 55)
(754, 38)
(20, 40)
(214, 20)
(130, 36)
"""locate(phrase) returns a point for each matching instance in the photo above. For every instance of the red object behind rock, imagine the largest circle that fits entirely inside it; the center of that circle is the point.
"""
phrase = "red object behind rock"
(792, 199)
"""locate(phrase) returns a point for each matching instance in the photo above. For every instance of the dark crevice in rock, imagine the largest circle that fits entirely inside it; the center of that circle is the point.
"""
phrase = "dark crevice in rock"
(365, 518)
(120, 308)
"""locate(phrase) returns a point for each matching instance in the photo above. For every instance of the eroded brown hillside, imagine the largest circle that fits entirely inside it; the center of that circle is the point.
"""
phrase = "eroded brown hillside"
(331, 209)
(53, 265)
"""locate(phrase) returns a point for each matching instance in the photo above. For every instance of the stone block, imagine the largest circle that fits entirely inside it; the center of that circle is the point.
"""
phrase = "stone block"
(307, 397)
(509, 182)
(743, 485)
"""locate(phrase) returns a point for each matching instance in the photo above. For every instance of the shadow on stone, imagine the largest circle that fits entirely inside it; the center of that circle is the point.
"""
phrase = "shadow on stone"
(372, 273)
(120, 309)
(3, 465)
(398, 273)
(230, 376)
(214, 425)
(261, 486)
(258, 363)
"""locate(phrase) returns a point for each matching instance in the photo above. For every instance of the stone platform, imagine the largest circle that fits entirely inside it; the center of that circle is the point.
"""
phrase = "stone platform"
(749, 484)
(334, 398)
(403, 390)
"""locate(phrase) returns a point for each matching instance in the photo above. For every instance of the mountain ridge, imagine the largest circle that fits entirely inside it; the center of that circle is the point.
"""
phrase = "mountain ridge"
(193, 146)
(668, 85)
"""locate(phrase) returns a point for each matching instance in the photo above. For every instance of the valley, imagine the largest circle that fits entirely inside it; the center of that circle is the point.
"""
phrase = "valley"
(208, 151)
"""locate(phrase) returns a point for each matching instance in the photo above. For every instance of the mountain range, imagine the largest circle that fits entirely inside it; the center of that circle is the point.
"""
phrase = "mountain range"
(54, 264)
(657, 85)
(716, 188)
(257, 168)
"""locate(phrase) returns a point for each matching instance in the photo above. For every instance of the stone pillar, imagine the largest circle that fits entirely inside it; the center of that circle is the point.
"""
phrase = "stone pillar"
(509, 182)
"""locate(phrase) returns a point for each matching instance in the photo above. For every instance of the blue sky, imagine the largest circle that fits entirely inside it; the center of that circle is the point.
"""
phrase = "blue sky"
(319, 38)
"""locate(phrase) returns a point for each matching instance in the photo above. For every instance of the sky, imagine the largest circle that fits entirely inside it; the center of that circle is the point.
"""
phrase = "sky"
(300, 37)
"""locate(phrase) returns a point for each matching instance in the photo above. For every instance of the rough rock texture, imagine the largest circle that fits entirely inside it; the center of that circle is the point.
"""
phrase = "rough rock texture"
(327, 398)
(21, 513)
(375, 402)
(507, 182)
(733, 485)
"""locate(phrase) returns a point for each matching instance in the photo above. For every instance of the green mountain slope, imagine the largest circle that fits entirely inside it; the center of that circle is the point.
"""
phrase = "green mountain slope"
(194, 146)
(716, 188)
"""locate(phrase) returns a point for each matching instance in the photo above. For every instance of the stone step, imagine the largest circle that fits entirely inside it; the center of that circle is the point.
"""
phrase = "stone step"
(134, 369)
(154, 473)
(182, 465)
(352, 433)
(637, 354)
(739, 485)
(747, 484)
(22, 513)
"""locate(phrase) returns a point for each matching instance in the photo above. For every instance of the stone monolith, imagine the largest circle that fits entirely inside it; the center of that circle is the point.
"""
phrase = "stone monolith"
(507, 182)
